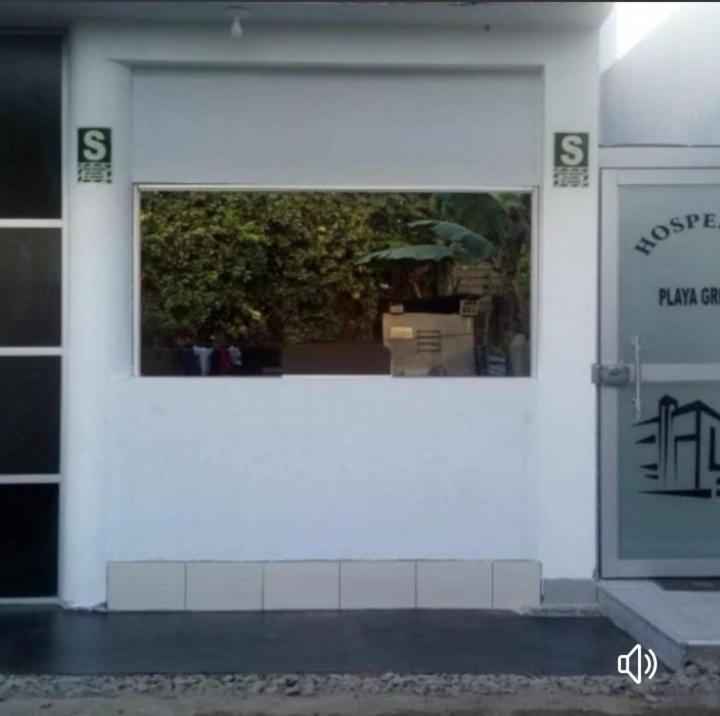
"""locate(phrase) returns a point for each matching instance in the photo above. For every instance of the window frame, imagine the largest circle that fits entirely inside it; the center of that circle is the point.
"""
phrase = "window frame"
(139, 188)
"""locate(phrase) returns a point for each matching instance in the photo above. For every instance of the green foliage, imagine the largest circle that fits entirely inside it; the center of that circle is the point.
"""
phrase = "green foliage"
(411, 253)
(504, 218)
(267, 268)
(452, 243)
(470, 247)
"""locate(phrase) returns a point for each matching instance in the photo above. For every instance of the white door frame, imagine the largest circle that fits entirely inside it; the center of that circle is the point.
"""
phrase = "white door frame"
(622, 167)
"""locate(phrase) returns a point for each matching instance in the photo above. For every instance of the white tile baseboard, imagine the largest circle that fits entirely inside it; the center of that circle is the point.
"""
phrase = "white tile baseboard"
(377, 585)
(302, 585)
(224, 586)
(146, 586)
(363, 584)
(516, 584)
(455, 584)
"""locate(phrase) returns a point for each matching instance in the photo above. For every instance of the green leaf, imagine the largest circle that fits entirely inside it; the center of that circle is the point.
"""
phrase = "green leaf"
(411, 252)
(474, 246)
(511, 200)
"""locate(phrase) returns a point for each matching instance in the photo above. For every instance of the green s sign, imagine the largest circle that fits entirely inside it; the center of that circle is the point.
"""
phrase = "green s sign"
(95, 155)
(571, 159)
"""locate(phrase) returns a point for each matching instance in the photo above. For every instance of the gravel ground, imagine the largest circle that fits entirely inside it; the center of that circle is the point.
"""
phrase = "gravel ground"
(694, 690)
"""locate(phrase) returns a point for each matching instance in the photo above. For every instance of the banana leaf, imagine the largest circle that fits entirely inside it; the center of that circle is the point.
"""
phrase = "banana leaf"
(412, 252)
(474, 247)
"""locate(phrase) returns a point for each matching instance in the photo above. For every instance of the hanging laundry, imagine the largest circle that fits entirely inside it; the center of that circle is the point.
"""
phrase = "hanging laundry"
(202, 353)
(224, 365)
(235, 355)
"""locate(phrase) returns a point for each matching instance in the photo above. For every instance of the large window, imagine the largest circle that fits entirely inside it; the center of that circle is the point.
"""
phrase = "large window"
(266, 283)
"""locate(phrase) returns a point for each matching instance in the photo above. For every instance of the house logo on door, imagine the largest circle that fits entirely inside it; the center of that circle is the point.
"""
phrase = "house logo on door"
(686, 442)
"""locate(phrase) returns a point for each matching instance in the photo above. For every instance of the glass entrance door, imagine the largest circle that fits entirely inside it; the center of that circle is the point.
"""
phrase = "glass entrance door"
(660, 415)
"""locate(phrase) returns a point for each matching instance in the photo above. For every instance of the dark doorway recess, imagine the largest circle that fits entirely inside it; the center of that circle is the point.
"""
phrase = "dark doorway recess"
(28, 540)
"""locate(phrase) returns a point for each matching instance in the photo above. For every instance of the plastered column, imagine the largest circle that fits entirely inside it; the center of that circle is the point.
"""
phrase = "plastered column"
(98, 323)
(568, 323)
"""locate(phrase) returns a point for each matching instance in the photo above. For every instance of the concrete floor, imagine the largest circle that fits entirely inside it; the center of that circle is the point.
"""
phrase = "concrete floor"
(678, 618)
(52, 641)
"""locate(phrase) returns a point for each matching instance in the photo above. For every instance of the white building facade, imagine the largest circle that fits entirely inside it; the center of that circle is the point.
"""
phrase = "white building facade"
(316, 491)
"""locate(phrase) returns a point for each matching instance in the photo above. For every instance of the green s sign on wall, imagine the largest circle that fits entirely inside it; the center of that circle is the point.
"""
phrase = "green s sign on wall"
(571, 159)
(94, 155)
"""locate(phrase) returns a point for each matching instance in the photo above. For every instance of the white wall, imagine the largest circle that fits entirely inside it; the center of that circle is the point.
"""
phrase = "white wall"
(302, 468)
(665, 90)
(339, 127)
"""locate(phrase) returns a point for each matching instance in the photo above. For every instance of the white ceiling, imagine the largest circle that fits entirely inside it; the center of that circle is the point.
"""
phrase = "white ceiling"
(526, 15)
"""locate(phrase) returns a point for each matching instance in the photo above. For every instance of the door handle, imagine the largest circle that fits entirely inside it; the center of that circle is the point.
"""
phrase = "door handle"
(637, 400)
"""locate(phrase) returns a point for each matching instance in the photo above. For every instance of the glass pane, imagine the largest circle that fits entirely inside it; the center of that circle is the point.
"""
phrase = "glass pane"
(30, 268)
(30, 415)
(28, 540)
(669, 467)
(30, 110)
(271, 283)
(669, 283)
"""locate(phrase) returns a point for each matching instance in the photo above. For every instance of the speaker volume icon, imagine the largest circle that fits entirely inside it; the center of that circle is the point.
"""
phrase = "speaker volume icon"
(638, 664)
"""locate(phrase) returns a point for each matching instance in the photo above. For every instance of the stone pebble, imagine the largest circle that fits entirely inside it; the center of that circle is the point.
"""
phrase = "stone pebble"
(703, 676)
